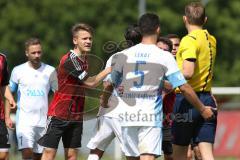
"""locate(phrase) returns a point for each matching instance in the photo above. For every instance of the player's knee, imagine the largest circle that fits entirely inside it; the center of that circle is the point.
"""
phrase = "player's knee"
(48, 154)
(71, 154)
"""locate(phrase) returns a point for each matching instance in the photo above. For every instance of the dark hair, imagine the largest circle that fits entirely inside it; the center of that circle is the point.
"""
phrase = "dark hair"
(81, 26)
(148, 23)
(166, 41)
(195, 13)
(132, 35)
(169, 36)
(31, 41)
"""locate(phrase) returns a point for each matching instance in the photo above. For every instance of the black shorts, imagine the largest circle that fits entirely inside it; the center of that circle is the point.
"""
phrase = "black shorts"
(167, 147)
(69, 131)
(4, 137)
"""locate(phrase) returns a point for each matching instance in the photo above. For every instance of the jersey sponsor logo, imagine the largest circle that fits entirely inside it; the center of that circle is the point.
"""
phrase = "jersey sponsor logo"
(35, 93)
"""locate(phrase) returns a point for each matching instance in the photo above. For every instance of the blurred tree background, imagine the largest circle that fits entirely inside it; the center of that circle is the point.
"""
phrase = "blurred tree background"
(51, 21)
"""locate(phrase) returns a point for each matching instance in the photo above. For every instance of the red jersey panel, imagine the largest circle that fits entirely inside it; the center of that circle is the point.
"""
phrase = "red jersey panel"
(68, 100)
(4, 80)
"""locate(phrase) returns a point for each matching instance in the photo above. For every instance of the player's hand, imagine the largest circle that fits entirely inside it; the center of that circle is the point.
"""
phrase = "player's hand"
(12, 103)
(208, 113)
(9, 122)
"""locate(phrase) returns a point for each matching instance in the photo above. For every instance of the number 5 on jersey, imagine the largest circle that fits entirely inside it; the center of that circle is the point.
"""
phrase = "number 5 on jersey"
(139, 73)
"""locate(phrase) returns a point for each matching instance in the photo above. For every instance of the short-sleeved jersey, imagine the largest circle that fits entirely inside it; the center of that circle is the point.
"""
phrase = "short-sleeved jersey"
(140, 70)
(68, 101)
(199, 45)
(4, 79)
(32, 87)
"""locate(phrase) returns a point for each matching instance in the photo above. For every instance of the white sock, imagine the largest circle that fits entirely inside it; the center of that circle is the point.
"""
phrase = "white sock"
(93, 157)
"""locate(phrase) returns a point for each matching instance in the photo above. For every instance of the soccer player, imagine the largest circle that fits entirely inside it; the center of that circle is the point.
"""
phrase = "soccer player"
(140, 70)
(67, 106)
(32, 81)
(165, 44)
(195, 58)
(175, 43)
(6, 93)
(109, 126)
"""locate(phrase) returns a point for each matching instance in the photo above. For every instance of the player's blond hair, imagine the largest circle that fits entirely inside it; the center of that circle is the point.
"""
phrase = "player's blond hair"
(81, 26)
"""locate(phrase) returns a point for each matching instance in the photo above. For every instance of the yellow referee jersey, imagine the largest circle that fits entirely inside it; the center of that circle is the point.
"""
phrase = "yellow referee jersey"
(200, 45)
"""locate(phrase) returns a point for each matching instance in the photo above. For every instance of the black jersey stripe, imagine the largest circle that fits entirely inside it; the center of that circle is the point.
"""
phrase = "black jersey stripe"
(211, 63)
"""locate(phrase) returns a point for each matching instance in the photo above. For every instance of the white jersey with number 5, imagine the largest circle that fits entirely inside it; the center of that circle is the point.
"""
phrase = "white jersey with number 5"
(140, 70)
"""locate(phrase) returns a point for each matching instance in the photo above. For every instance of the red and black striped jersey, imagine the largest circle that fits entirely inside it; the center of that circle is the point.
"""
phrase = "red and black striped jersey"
(68, 100)
(4, 80)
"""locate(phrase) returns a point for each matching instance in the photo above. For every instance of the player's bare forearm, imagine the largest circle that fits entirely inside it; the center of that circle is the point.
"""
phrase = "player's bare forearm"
(7, 109)
(8, 120)
(5, 90)
(107, 92)
(191, 96)
(94, 81)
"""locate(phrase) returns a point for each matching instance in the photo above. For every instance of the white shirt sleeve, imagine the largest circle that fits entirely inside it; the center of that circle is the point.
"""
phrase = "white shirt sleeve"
(13, 83)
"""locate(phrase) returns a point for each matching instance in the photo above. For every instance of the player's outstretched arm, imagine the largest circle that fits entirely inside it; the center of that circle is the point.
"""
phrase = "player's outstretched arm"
(94, 81)
(190, 95)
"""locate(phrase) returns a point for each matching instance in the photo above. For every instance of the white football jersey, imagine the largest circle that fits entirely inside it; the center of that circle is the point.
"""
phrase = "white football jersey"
(32, 87)
(140, 71)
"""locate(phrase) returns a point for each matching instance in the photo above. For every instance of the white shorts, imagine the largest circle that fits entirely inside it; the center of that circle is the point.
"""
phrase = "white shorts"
(27, 137)
(107, 129)
(142, 139)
